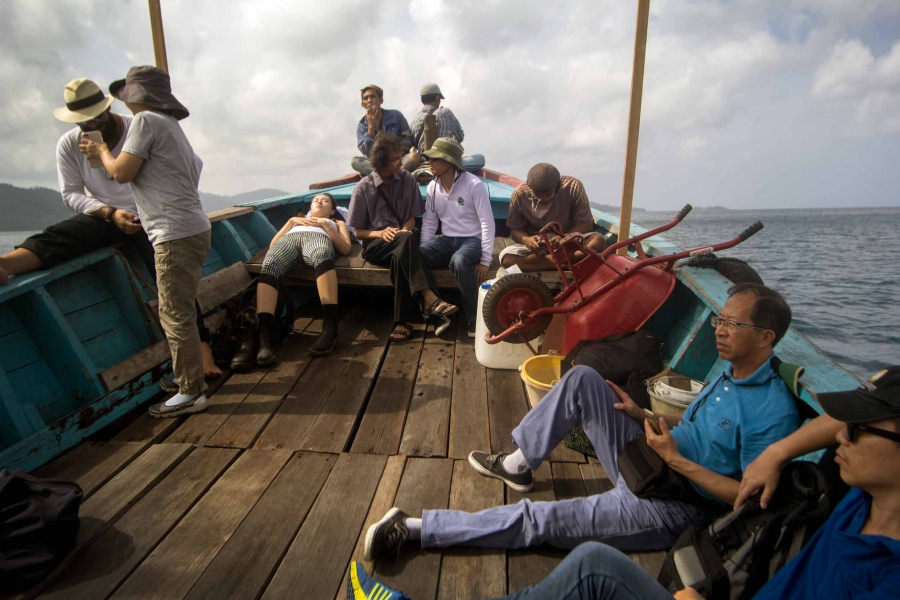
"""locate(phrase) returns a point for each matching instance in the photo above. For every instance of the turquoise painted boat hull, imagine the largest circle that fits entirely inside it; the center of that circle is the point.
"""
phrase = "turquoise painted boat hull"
(69, 334)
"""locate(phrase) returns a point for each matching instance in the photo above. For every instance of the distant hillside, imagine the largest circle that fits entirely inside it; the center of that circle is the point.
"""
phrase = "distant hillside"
(31, 209)
(614, 210)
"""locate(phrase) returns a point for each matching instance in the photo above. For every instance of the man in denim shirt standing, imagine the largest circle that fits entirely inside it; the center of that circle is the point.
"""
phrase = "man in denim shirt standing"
(379, 119)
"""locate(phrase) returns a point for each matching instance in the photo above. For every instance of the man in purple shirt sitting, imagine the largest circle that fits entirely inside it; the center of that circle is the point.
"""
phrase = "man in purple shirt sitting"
(380, 119)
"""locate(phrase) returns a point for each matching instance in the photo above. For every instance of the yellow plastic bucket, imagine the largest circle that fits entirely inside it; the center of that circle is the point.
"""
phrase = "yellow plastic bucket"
(540, 373)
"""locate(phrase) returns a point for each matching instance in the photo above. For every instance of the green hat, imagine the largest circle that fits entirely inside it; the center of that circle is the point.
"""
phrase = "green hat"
(447, 149)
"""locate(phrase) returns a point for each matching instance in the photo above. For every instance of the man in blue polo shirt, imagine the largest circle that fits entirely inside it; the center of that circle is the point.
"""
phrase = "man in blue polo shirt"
(380, 119)
(738, 415)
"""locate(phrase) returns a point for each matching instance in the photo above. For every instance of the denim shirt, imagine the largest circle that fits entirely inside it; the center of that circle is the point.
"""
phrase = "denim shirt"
(393, 122)
(733, 420)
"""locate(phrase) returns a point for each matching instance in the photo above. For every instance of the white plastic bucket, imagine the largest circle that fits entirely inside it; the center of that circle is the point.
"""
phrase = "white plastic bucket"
(497, 356)
(672, 394)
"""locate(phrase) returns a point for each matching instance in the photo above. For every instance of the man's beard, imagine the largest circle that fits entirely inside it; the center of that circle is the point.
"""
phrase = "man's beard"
(109, 130)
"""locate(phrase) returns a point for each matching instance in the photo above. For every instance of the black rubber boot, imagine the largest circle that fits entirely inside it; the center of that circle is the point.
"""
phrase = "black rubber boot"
(245, 357)
(265, 356)
(326, 342)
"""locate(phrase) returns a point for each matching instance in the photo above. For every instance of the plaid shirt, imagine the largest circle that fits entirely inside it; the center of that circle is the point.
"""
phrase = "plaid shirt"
(368, 209)
(446, 126)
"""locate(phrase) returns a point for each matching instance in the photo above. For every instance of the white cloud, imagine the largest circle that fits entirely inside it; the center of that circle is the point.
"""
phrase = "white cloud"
(273, 87)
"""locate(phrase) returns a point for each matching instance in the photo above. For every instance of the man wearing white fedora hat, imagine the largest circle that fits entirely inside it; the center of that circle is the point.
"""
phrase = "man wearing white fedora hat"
(106, 212)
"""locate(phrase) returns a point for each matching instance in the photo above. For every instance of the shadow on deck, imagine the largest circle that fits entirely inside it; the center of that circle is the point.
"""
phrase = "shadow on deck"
(269, 492)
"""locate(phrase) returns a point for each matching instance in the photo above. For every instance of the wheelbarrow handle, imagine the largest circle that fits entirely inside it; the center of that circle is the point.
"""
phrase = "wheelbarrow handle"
(753, 229)
(684, 212)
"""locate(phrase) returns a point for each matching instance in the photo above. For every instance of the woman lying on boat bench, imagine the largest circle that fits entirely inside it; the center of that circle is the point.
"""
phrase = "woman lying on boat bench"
(312, 240)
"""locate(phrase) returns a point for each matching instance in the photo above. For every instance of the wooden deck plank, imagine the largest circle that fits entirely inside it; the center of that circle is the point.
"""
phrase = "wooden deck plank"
(382, 422)
(179, 560)
(568, 481)
(153, 430)
(526, 568)
(469, 423)
(110, 502)
(507, 405)
(297, 413)
(381, 503)
(333, 426)
(473, 572)
(102, 566)
(428, 421)
(251, 555)
(595, 479)
(200, 427)
(316, 563)
(425, 484)
(243, 426)
(92, 464)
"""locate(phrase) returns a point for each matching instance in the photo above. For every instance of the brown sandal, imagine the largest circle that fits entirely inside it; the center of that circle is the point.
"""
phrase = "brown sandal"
(401, 332)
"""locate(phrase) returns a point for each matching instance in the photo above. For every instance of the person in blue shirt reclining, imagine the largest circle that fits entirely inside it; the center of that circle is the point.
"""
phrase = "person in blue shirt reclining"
(730, 423)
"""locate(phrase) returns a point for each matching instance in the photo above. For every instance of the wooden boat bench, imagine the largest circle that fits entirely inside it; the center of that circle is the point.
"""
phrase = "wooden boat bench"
(353, 270)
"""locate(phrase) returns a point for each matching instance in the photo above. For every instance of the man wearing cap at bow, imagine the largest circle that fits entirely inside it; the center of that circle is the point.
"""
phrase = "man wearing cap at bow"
(445, 122)
(459, 201)
(380, 119)
(106, 211)
(543, 198)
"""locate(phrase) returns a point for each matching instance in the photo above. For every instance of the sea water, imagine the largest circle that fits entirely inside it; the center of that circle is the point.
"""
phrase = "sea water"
(837, 268)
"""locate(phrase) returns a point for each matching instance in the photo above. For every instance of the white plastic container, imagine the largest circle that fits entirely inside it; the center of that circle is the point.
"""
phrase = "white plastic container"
(502, 355)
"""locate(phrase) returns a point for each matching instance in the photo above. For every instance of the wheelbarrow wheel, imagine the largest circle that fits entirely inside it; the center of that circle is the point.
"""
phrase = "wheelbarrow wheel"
(511, 296)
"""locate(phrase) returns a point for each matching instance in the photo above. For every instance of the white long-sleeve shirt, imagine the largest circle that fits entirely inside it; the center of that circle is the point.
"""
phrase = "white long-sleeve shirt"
(463, 211)
(84, 189)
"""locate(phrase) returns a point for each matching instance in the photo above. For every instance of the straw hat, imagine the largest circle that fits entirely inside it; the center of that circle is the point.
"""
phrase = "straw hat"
(447, 149)
(151, 86)
(84, 101)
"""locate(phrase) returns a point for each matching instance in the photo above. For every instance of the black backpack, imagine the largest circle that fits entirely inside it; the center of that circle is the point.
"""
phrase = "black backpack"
(739, 552)
(284, 311)
(38, 525)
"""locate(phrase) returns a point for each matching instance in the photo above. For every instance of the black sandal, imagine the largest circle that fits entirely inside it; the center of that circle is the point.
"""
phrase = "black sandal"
(402, 330)
(432, 311)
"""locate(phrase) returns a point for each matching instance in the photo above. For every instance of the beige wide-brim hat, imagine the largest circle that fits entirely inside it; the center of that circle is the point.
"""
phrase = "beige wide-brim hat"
(447, 149)
(84, 101)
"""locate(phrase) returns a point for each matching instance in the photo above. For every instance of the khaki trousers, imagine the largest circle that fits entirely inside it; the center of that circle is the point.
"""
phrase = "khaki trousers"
(179, 264)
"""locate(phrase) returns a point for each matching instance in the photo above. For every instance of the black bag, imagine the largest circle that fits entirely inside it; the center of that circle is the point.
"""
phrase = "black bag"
(647, 475)
(38, 525)
(619, 356)
(739, 552)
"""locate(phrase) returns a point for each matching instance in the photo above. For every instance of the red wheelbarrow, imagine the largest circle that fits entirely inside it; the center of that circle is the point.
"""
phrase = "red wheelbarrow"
(608, 293)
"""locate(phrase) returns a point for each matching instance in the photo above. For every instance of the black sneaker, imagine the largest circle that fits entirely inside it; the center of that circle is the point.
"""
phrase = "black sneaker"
(387, 536)
(491, 465)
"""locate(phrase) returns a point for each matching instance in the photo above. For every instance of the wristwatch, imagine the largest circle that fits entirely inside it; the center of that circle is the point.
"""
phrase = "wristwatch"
(109, 214)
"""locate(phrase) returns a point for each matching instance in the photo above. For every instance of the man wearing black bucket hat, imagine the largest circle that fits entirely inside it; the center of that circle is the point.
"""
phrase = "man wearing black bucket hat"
(159, 163)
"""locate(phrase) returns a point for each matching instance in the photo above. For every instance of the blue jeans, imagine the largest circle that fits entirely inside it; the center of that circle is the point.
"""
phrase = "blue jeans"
(461, 254)
(595, 572)
(617, 517)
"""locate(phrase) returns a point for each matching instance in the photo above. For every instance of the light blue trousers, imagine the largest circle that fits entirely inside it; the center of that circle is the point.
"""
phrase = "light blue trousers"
(617, 517)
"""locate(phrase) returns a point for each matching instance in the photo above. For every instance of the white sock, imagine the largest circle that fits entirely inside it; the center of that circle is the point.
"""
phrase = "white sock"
(180, 399)
(515, 462)
(415, 528)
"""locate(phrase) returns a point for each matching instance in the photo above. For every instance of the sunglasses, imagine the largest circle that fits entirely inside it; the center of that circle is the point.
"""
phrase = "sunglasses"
(853, 430)
(93, 122)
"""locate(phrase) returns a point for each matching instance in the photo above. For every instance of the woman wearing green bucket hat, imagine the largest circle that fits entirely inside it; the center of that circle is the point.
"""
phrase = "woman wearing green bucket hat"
(459, 201)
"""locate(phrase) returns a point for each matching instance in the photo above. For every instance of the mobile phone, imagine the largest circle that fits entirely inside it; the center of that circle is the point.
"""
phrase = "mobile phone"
(654, 421)
(94, 136)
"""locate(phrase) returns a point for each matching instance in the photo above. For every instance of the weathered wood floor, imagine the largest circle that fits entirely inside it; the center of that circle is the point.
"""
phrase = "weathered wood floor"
(268, 493)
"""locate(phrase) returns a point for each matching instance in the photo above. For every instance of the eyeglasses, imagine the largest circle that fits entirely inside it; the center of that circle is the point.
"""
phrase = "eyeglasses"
(853, 430)
(397, 161)
(730, 325)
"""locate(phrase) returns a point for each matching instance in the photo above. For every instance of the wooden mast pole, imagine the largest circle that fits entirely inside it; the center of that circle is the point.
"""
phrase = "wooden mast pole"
(159, 38)
(634, 119)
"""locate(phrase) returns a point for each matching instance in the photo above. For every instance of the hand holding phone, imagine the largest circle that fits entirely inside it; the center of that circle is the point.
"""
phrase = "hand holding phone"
(94, 136)
(653, 420)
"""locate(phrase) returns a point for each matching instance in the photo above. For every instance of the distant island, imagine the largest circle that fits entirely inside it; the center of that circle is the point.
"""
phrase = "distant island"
(614, 210)
(32, 209)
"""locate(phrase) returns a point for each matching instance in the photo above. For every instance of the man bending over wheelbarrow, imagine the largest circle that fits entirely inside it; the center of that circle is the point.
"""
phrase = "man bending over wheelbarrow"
(728, 425)
(543, 198)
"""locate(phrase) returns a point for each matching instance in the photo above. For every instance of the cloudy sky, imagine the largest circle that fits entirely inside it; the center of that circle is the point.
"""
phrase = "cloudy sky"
(748, 103)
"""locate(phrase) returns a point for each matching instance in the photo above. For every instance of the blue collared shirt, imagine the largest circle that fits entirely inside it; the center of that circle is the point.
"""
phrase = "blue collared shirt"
(733, 420)
(393, 122)
(839, 562)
